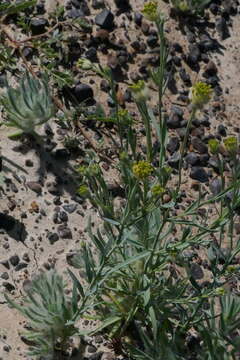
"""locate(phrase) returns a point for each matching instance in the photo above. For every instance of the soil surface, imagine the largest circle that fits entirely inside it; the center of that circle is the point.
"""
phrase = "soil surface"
(46, 221)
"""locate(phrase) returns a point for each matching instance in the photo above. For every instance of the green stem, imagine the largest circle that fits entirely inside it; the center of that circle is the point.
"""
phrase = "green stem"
(142, 107)
(183, 148)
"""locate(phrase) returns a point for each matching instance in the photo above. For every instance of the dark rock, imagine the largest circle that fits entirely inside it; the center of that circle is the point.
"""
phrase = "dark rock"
(4, 276)
(185, 77)
(83, 92)
(203, 159)
(75, 13)
(38, 25)
(97, 4)
(14, 260)
(5, 263)
(91, 349)
(52, 237)
(177, 47)
(222, 29)
(64, 232)
(96, 356)
(192, 158)
(13, 188)
(34, 186)
(152, 41)
(174, 120)
(215, 186)
(138, 19)
(105, 19)
(70, 208)
(194, 55)
(61, 153)
(199, 146)
(10, 287)
(29, 163)
(198, 173)
(196, 271)
(222, 130)
(214, 163)
(211, 69)
(91, 53)
(207, 44)
(6, 222)
(20, 266)
(63, 216)
(214, 8)
(52, 188)
(213, 81)
(173, 161)
(173, 144)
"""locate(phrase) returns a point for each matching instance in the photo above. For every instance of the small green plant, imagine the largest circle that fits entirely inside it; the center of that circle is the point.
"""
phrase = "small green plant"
(27, 106)
(193, 7)
(49, 313)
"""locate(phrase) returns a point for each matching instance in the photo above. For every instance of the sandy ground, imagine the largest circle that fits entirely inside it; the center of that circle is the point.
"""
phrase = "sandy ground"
(39, 209)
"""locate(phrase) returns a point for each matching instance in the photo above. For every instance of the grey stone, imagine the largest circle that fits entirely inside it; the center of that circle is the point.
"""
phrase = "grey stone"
(198, 173)
(105, 19)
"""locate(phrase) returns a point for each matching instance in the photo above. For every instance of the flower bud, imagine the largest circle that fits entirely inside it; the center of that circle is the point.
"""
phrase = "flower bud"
(142, 169)
(200, 94)
(213, 146)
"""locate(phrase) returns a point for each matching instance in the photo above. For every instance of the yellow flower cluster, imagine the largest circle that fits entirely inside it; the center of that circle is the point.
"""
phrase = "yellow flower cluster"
(142, 169)
(84, 64)
(213, 146)
(200, 94)
(231, 145)
(151, 10)
(83, 190)
(139, 90)
(157, 190)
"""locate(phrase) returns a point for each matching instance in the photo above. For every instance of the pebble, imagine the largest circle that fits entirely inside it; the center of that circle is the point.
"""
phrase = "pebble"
(192, 158)
(6, 222)
(52, 237)
(222, 28)
(83, 92)
(9, 286)
(173, 144)
(105, 19)
(196, 271)
(20, 266)
(38, 25)
(14, 260)
(70, 208)
(64, 232)
(34, 186)
(199, 146)
(215, 186)
(198, 173)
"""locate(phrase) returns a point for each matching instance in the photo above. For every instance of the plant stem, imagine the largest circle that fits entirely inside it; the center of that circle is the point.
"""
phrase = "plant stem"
(183, 148)
(142, 107)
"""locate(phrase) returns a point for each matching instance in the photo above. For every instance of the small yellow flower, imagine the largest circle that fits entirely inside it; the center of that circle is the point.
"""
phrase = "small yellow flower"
(232, 269)
(213, 146)
(157, 190)
(122, 112)
(200, 94)
(123, 155)
(151, 10)
(142, 169)
(84, 64)
(139, 90)
(231, 145)
(220, 291)
(93, 169)
(83, 191)
(82, 169)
